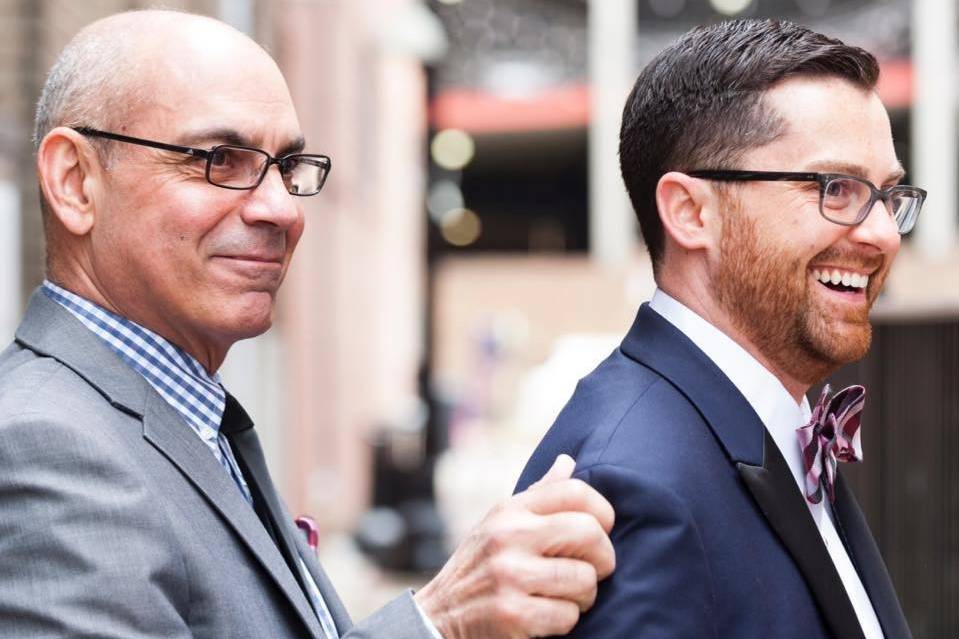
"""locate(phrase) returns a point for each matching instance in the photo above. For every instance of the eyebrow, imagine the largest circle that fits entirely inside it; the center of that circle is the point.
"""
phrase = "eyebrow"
(296, 146)
(225, 135)
(855, 170)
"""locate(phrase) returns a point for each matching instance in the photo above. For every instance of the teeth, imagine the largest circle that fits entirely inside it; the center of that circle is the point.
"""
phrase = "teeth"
(835, 277)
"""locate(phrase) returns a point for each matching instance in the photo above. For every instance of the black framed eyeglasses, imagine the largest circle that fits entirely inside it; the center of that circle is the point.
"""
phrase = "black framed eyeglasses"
(843, 199)
(241, 168)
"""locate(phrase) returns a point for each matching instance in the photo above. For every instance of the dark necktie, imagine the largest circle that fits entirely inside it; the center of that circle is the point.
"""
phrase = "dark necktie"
(238, 428)
(831, 436)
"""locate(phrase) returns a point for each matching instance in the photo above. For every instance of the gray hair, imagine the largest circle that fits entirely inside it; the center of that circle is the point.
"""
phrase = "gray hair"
(93, 81)
(88, 85)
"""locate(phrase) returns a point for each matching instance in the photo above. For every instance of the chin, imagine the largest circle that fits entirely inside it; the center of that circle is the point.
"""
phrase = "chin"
(839, 346)
(250, 329)
(244, 320)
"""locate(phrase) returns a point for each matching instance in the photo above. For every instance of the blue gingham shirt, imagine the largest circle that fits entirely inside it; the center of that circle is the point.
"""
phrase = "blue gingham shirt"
(183, 383)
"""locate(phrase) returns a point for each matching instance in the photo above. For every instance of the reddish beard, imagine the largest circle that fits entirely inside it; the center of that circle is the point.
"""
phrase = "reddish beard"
(766, 291)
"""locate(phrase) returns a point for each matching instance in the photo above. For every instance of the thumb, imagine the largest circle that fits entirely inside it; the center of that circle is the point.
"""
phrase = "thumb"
(561, 469)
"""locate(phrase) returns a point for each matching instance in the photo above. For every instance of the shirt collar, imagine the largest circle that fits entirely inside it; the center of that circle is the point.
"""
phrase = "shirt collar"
(177, 376)
(776, 408)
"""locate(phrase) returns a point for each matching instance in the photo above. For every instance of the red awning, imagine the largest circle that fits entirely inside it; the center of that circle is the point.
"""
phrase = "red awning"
(567, 107)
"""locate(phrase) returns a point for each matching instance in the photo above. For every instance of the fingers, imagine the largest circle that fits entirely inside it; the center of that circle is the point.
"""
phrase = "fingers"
(530, 567)
(577, 536)
(571, 534)
(562, 468)
(567, 495)
(553, 578)
(509, 595)
(541, 617)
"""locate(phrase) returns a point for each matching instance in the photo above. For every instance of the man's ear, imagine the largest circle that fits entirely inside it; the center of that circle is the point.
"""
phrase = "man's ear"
(67, 168)
(688, 209)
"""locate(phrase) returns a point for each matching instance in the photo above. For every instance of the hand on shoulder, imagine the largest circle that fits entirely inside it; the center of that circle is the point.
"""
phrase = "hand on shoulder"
(531, 567)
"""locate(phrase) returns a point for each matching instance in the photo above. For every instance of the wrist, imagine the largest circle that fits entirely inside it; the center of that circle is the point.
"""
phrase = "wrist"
(431, 611)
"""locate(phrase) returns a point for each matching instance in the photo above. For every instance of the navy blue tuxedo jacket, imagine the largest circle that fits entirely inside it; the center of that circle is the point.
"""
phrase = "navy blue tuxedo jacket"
(712, 536)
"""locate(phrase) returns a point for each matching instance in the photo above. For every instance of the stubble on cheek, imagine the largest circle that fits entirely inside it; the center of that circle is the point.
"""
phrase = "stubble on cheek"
(757, 287)
(764, 290)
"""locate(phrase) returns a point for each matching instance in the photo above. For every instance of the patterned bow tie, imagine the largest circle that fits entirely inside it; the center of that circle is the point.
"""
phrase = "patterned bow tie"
(832, 434)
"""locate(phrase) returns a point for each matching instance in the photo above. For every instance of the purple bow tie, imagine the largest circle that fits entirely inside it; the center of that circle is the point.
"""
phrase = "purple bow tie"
(832, 434)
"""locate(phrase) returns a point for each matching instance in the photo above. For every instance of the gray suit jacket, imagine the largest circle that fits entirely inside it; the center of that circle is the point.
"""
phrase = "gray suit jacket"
(116, 521)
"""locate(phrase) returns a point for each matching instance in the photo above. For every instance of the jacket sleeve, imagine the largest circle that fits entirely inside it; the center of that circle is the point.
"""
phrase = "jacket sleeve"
(63, 573)
(399, 619)
(662, 587)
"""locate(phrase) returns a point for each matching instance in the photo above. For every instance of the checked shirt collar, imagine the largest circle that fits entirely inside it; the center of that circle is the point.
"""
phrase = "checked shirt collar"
(197, 396)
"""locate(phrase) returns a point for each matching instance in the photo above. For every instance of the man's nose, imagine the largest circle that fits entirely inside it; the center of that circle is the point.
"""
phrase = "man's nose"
(271, 203)
(879, 228)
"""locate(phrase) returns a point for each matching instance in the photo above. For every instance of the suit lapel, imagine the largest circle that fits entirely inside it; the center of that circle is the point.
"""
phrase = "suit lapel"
(341, 618)
(659, 345)
(165, 430)
(865, 555)
(774, 489)
(50, 330)
(238, 427)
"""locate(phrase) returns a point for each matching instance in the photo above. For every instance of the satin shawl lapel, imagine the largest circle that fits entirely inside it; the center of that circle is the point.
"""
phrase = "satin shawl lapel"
(774, 489)
(659, 345)
(868, 561)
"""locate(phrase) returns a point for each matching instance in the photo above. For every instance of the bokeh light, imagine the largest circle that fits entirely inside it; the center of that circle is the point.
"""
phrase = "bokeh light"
(730, 7)
(444, 196)
(461, 227)
(452, 149)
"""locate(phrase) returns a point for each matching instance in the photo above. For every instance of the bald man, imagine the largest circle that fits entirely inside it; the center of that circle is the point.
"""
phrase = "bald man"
(134, 498)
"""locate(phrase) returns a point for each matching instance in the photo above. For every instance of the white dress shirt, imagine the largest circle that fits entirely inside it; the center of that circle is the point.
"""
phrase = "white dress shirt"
(781, 416)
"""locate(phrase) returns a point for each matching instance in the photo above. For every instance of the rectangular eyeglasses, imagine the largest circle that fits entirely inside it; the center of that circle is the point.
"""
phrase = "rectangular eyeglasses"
(843, 199)
(237, 167)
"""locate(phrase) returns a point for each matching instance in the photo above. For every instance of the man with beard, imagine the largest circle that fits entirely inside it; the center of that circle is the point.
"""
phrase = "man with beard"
(760, 162)
(134, 497)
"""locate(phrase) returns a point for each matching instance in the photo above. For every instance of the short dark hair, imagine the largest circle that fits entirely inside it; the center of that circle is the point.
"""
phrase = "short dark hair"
(698, 104)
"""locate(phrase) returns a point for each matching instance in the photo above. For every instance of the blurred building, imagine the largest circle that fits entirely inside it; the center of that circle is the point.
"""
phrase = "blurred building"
(474, 253)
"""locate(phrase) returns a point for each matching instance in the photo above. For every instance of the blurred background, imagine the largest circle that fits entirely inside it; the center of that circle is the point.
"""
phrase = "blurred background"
(474, 254)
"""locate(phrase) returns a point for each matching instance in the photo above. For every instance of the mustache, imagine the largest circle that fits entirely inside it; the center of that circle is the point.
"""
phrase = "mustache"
(851, 258)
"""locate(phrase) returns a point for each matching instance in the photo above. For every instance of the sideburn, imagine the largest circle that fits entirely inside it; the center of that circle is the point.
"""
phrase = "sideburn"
(758, 288)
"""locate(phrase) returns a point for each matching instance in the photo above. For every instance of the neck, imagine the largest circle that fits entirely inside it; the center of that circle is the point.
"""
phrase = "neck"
(786, 367)
(79, 282)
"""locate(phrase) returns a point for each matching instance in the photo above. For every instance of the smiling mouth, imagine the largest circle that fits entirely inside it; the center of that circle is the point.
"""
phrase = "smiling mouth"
(253, 258)
(841, 281)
